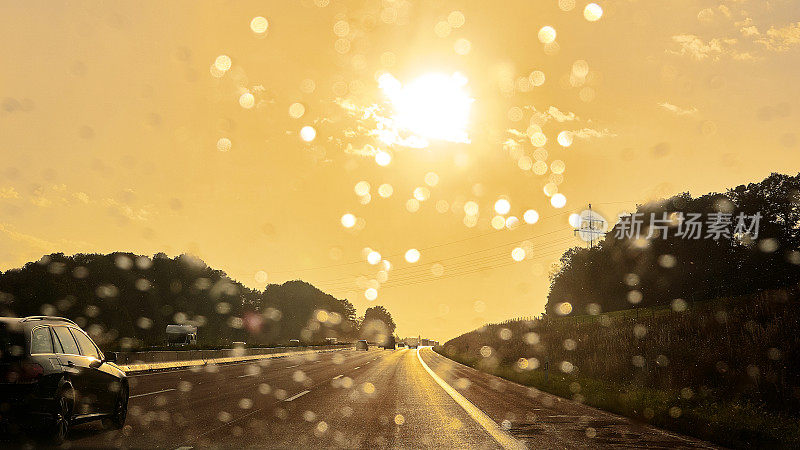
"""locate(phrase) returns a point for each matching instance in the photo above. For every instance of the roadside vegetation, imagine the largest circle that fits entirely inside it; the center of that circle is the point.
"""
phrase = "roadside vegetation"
(726, 370)
(125, 301)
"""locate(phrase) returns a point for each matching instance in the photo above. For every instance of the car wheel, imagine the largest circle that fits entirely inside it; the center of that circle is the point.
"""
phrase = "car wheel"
(117, 419)
(60, 426)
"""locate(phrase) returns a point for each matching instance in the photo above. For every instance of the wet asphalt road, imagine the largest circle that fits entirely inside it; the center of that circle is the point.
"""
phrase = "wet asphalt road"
(356, 399)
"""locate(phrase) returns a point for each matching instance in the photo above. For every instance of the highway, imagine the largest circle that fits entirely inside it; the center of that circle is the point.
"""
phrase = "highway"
(358, 399)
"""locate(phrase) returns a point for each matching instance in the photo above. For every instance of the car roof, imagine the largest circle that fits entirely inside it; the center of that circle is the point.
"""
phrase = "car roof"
(10, 319)
(49, 320)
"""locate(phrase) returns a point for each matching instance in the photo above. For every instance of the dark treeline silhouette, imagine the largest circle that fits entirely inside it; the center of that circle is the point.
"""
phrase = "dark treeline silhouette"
(126, 300)
(377, 324)
(622, 272)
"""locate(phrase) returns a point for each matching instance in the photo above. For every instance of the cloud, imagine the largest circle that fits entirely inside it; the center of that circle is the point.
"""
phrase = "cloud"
(714, 49)
(559, 116)
(781, 39)
(677, 110)
(27, 239)
(81, 197)
(707, 15)
(366, 150)
(42, 202)
(19, 248)
(748, 31)
(552, 113)
(590, 133)
(124, 210)
(517, 133)
(9, 193)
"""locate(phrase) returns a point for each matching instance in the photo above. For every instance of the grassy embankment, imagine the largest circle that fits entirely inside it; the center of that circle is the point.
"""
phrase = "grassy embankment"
(727, 370)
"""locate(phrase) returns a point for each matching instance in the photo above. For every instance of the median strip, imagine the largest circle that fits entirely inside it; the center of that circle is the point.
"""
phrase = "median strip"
(172, 365)
(501, 436)
(152, 393)
(296, 396)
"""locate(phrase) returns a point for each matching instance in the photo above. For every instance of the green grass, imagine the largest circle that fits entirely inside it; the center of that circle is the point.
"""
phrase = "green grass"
(724, 422)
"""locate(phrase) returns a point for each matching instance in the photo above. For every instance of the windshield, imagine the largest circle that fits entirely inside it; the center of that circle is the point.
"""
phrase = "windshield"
(401, 223)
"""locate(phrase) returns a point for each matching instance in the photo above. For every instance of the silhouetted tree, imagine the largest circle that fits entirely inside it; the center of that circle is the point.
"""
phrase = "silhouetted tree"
(623, 273)
(126, 301)
(377, 325)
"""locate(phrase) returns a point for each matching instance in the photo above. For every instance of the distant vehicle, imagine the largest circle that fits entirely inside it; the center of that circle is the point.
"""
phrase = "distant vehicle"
(52, 376)
(389, 343)
(238, 344)
(181, 335)
(294, 342)
(401, 344)
(412, 342)
(362, 345)
(331, 341)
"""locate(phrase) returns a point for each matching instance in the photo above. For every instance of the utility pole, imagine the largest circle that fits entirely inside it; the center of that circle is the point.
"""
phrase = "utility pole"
(589, 228)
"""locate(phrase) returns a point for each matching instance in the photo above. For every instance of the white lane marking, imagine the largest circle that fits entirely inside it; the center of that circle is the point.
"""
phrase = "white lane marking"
(289, 367)
(357, 367)
(152, 393)
(247, 375)
(501, 436)
(296, 396)
(337, 377)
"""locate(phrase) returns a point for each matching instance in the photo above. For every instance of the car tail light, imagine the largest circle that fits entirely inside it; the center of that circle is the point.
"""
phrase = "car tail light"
(24, 373)
(31, 372)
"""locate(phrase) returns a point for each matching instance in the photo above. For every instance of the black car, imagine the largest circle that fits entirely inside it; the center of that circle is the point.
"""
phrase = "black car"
(52, 375)
(389, 343)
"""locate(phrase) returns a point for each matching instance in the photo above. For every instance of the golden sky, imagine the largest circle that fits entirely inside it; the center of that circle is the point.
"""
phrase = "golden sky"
(175, 126)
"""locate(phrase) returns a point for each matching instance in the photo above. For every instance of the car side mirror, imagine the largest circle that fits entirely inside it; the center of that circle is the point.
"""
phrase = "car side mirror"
(110, 357)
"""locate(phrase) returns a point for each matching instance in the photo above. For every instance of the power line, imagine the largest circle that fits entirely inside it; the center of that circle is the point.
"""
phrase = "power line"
(443, 244)
(477, 269)
(426, 266)
(460, 268)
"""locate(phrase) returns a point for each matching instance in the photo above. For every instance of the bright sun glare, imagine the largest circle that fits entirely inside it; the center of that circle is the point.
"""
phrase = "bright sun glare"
(434, 106)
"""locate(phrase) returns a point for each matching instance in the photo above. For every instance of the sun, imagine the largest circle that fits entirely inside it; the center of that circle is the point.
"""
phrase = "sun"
(434, 106)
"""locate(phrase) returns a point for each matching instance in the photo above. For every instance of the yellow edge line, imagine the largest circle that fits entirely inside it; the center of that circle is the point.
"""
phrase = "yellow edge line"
(501, 436)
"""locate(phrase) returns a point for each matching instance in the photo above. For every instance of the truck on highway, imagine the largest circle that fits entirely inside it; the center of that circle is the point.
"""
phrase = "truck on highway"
(181, 335)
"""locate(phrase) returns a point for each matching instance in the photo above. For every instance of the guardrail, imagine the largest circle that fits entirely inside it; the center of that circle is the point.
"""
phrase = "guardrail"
(132, 362)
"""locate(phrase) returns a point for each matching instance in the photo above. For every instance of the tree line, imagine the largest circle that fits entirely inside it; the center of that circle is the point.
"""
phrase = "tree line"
(125, 301)
(661, 263)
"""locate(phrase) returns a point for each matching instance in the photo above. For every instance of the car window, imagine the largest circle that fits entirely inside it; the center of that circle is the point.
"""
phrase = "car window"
(41, 341)
(87, 346)
(68, 344)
